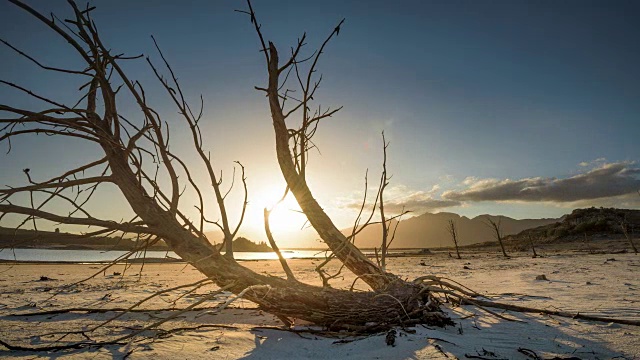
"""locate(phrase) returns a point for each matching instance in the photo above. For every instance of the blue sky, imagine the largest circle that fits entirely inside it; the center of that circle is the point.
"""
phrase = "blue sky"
(521, 108)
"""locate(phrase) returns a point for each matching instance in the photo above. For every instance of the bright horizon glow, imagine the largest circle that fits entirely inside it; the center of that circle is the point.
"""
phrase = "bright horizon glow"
(285, 216)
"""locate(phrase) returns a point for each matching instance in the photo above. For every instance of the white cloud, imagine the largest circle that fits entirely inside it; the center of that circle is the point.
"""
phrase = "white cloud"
(604, 181)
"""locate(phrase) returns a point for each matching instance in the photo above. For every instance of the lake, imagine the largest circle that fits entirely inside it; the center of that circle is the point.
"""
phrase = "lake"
(90, 256)
(49, 255)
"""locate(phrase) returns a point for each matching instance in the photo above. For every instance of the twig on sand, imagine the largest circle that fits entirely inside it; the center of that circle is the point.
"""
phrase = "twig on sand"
(121, 340)
(78, 345)
(198, 327)
(105, 310)
(530, 353)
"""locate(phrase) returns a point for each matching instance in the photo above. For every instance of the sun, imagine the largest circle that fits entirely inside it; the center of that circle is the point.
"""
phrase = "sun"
(285, 217)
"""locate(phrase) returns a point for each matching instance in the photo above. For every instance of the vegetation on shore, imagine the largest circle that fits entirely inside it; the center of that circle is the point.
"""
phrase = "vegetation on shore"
(598, 222)
(31, 239)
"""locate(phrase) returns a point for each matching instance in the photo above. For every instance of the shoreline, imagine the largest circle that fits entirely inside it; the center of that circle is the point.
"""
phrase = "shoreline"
(544, 250)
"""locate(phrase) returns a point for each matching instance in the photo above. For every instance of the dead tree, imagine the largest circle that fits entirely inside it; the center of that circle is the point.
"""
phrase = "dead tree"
(533, 248)
(497, 232)
(451, 228)
(388, 234)
(625, 230)
(138, 162)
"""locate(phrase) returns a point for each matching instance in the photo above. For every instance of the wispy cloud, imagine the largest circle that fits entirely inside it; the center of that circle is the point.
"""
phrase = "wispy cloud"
(399, 198)
(606, 180)
(594, 163)
(419, 204)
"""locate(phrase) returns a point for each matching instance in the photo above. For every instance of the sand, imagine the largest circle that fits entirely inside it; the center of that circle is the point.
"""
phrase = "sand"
(598, 284)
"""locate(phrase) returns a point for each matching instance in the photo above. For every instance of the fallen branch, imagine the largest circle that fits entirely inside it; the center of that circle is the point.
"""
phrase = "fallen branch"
(525, 309)
(465, 296)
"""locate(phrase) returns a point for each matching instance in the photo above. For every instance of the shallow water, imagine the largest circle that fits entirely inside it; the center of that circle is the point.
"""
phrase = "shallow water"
(50, 255)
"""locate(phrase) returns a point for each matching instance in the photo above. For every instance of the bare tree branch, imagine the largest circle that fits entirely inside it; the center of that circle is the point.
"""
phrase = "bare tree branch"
(15, 209)
(58, 185)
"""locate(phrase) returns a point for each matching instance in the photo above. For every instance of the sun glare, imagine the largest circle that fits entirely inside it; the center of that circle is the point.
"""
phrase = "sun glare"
(285, 216)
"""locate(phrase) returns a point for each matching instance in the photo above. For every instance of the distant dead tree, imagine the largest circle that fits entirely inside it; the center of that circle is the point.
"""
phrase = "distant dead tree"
(388, 234)
(451, 228)
(624, 225)
(139, 163)
(497, 232)
(533, 248)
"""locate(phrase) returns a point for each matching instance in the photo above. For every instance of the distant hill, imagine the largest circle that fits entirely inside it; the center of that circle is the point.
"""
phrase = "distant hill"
(430, 230)
(592, 222)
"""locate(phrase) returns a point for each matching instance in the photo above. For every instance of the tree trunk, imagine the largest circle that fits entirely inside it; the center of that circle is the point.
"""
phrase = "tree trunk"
(629, 238)
(451, 227)
(504, 253)
(344, 250)
(533, 248)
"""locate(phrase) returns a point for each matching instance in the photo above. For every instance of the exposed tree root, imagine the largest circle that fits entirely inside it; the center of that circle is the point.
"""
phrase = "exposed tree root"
(525, 309)
(336, 309)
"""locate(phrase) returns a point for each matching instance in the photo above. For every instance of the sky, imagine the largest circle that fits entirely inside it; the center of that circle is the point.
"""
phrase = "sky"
(527, 109)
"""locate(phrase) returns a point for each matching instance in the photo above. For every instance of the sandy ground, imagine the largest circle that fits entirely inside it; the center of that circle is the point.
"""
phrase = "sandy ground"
(599, 284)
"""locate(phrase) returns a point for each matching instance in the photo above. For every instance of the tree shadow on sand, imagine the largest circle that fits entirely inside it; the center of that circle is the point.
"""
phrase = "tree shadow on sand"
(474, 336)
(482, 336)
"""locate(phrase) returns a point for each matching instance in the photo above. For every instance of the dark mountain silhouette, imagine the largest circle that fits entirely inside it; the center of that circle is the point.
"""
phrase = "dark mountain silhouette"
(430, 230)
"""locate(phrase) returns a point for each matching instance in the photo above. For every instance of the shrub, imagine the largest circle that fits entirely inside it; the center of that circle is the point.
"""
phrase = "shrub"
(561, 231)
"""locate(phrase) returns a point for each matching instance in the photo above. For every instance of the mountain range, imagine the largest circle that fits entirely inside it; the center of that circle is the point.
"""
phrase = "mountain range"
(430, 230)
